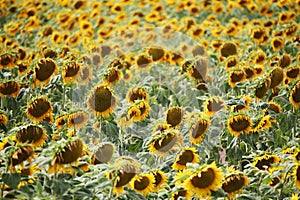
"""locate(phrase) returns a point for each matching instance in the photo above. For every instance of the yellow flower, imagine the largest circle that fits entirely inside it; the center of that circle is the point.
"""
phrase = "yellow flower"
(77, 119)
(134, 94)
(198, 130)
(160, 180)
(239, 123)
(32, 134)
(236, 76)
(297, 175)
(233, 183)
(263, 123)
(213, 105)
(186, 155)
(181, 193)
(11, 88)
(70, 72)
(143, 183)
(45, 69)
(295, 95)
(39, 109)
(265, 161)
(207, 179)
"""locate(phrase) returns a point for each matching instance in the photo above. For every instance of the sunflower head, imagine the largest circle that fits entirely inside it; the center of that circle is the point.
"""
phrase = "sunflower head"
(101, 101)
(157, 53)
(3, 119)
(165, 142)
(264, 162)
(136, 94)
(228, 49)
(239, 123)
(104, 153)
(174, 116)
(44, 70)
(276, 76)
(205, 180)
(233, 183)
(159, 179)
(21, 154)
(297, 175)
(263, 123)
(236, 76)
(77, 119)
(186, 155)
(32, 134)
(143, 183)
(181, 194)
(39, 109)
(143, 61)
(295, 95)
(213, 105)
(70, 72)
(262, 88)
(198, 129)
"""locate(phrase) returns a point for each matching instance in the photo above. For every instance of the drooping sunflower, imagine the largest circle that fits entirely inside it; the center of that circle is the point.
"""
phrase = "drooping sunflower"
(228, 49)
(32, 134)
(285, 61)
(262, 88)
(112, 77)
(77, 119)
(44, 70)
(20, 155)
(143, 183)
(276, 76)
(258, 34)
(202, 182)
(293, 72)
(242, 107)
(198, 70)
(163, 143)
(236, 76)
(71, 151)
(157, 53)
(263, 123)
(233, 183)
(213, 105)
(186, 155)
(160, 179)
(143, 61)
(265, 161)
(101, 101)
(39, 109)
(250, 72)
(295, 95)
(198, 130)
(70, 72)
(275, 107)
(231, 62)
(239, 123)
(6, 61)
(104, 153)
(139, 111)
(297, 175)
(134, 94)
(174, 116)
(11, 88)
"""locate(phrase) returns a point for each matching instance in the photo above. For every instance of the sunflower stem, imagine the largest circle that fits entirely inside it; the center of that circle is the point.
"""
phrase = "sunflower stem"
(64, 98)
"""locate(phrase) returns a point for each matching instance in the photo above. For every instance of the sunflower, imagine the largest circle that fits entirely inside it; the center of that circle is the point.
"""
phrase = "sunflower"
(295, 95)
(181, 194)
(259, 70)
(228, 49)
(11, 88)
(285, 61)
(77, 119)
(274, 107)
(186, 155)
(104, 153)
(174, 116)
(44, 70)
(3, 119)
(258, 34)
(236, 76)
(21, 154)
(213, 105)
(263, 123)
(134, 94)
(143, 183)
(207, 179)
(160, 179)
(233, 183)
(61, 121)
(112, 77)
(231, 61)
(277, 43)
(139, 111)
(157, 53)
(295, 196)
(260, 58)
(265, 161)
(143, 61)
(165, 142)
(292, 72)
(70, 72)
(250, 72)
(239, 123)
(242, 107)
(39, 109)
(198, 129)
(71, 151)
(85, 74)
(297, 175)
(216, 44)
(101, 101)
(262, 88)
(32, 134)
(276, 76)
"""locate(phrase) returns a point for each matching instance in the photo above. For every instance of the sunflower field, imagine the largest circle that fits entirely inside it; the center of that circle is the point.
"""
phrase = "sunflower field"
(149, 99)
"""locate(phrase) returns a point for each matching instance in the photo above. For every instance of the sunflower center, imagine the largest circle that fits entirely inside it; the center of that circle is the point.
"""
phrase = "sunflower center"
(228, 49)
(143, 61)
(264, 162)
(186, 157)
(181, 193)
(44, 70)
(240, 124)
(298, 173)
(214, 105)
(70, 153)
(166, 143)
(277, 43)
(71, 69)
(124, 178)
(233, 183)
(293, 73)
(5, 60)
(112, 76)
(236, 76)
(174, 117)
(39, 107)
(204, 179)
(77, 119)
(142, 183)
(156, 53)
(158, 178)
(102, 99)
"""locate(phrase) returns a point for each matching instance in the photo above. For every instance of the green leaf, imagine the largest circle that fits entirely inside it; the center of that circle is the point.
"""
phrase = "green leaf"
(12, 180)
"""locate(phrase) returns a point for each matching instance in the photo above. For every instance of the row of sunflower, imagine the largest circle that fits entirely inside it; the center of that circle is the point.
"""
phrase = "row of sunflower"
(149, 99)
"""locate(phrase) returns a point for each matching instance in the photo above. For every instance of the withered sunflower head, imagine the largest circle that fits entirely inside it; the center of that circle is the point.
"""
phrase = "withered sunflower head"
(137, 94)
(10, 88)
(101, 101)
(174, 116)
(39, 109)
(32, 134)
(103, 154)
(70, 153)
(213, 105)
(44, 70)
